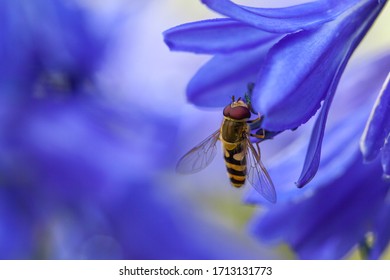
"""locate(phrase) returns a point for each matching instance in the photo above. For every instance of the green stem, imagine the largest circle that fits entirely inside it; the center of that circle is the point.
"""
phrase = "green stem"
(365, 247)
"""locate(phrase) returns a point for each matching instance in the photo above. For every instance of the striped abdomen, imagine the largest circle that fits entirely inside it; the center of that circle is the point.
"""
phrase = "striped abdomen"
(235, 160)
(233, 143)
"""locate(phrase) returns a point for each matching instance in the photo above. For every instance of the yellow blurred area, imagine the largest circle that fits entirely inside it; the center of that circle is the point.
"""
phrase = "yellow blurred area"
(378, 38)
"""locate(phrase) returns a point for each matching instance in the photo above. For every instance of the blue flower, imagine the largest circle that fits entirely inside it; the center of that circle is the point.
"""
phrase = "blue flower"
(81, 179)
(81, 175)
(348, 200)
(48, 42)
(295, 55)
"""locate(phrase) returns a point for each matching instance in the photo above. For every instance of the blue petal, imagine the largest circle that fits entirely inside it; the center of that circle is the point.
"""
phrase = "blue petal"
(386, 158)
(313, 154)
(337, 224)
(224, 76)
(378, 125)
(304, 67)
(282, 20)
(215, 36)
(340, 144)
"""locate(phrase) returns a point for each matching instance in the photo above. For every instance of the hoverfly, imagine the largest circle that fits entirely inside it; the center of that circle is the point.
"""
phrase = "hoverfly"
(242, 159)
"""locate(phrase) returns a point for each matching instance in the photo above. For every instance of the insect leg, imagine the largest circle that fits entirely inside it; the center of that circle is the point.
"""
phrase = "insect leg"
(257, 120)
(255, 123)
(259, 136)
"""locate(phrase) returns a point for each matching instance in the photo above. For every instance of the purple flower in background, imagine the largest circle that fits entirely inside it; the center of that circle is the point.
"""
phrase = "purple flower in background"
(295, 55)
(81, 175)
(348, 200)
(77, 184)
(58, 46)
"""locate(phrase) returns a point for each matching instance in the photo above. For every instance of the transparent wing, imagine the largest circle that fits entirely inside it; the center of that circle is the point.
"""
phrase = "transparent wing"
(200, 156)
(257, 175)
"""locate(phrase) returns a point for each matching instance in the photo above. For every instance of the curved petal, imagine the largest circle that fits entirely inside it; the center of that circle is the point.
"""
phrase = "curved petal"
(224, 76)
(386, 158)
(313, 154)
(339, 153)
(289, 98)
(378, 124)
(354, 94)
(282, 20)
(215, 36)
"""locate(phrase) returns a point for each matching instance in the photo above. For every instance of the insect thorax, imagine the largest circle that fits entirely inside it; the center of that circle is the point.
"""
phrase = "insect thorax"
(233, 131)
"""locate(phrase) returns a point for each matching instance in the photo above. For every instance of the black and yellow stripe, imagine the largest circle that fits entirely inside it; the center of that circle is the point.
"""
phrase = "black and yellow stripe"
(235, 161)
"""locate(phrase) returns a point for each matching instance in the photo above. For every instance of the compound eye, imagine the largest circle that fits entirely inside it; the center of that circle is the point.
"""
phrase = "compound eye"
(240, 112)
(227, 110)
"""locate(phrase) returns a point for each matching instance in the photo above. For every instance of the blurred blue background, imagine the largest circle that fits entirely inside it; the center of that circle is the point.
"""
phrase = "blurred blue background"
(93, 118)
